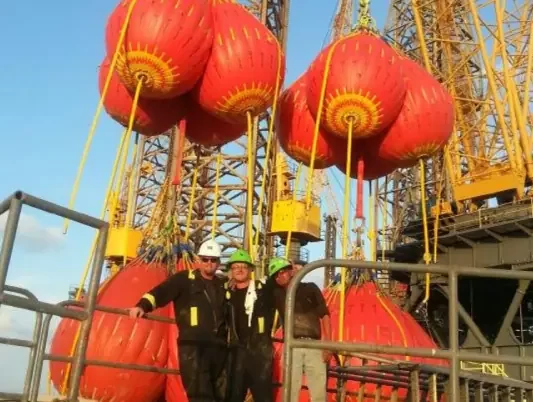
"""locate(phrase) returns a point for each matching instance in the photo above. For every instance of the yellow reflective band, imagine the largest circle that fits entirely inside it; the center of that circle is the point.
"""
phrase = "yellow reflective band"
(228, 295)
(150, 298)
(259, 285)
(191, 274)
(194, 316)
(261, 324)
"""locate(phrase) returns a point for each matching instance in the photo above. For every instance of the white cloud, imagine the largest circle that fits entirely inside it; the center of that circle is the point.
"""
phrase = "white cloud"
(19, 324)
(6, 320)
(33, 236)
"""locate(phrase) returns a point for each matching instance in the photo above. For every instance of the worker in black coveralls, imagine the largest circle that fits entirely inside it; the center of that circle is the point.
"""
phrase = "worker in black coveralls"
(251, 317)
(200, 307)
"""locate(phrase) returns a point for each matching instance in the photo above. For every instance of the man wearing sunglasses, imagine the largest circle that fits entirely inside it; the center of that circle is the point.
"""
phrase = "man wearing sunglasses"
(199, 305)
(251, 316)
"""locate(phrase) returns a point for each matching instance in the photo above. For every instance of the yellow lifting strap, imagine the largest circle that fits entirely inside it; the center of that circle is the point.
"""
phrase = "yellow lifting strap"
(270, 136)
(96, 117)
(427, 254)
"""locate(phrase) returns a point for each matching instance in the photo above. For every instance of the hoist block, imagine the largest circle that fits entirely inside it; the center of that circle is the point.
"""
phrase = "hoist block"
(293, 216)
(123, 242)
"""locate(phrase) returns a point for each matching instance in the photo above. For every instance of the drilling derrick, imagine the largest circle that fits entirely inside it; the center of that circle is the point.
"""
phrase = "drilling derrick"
(477, 190)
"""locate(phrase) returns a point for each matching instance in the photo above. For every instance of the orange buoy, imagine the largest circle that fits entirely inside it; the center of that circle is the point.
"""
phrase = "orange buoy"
(167, 45)
(242, 72)
(365, 85)
(366, 163)
(371, 318)
(119, 339)
(174, 389)
(205, 129)
(425, 123)
(296, 127)
(152, 117)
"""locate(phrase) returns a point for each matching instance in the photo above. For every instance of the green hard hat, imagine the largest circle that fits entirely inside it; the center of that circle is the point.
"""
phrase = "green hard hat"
(239, 256)
(277, 264)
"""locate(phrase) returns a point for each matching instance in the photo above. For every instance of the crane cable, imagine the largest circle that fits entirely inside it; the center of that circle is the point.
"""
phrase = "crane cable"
(96, 117)
(127, 133)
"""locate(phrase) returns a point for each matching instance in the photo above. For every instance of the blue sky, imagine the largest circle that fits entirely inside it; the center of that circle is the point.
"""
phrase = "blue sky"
(51, 51)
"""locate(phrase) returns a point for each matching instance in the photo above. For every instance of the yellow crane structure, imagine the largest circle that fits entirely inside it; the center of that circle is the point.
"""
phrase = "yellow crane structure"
(477, 190)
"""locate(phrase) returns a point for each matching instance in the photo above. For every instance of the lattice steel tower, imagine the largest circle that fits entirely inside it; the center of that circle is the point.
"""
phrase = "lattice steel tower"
(478, 189)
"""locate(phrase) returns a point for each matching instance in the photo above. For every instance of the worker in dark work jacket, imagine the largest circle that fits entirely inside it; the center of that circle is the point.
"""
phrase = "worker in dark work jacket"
(311, 321)
(251, 318)
(200, 307)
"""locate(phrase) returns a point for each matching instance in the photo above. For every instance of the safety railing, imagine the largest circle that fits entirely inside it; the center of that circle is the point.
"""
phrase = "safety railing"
(453, 355)
(13, 205)
(41, 355)
(32, 345)
(84, 312)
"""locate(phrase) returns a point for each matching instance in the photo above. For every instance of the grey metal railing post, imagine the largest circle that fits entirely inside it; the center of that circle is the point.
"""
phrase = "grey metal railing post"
(96, 273)
(10, 232)
(288, 330)
(453, 317)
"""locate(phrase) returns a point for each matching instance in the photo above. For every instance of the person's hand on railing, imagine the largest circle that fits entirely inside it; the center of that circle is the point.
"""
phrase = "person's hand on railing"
(136, 312)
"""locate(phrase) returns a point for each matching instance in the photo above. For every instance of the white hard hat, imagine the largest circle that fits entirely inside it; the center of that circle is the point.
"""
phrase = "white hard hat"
(210, 248)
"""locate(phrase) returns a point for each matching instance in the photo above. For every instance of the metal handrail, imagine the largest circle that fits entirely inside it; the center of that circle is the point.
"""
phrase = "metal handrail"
(32, 345)
(13, 205)
(453, 355)
(79, 359)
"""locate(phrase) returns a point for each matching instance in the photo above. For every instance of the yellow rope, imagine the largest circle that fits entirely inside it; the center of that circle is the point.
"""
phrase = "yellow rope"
(268, 145)
(396, 321)
(437, 216)
(317, 122)
(130, 195)
(126, 134)
(105, 205)
(250, 186)
(427, 254)
(215, 201)
(345, 228)
(191, 202)
(94, 123)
